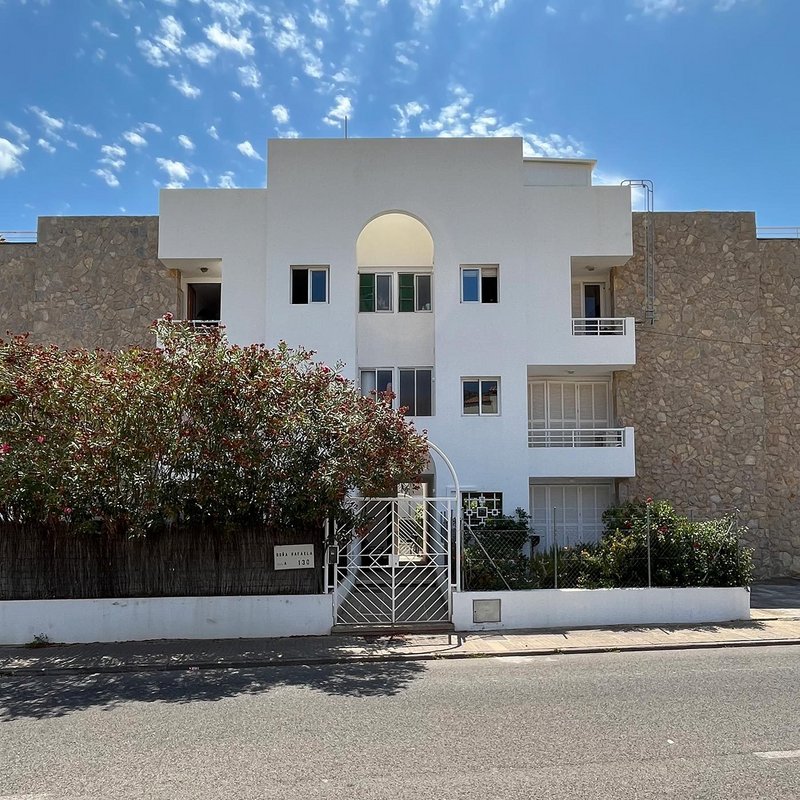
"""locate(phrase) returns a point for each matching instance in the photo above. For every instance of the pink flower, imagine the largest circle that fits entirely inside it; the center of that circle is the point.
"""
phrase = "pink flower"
(67, 510)
(5, 449)
(649, 500)
(40, 439)
(168, 317)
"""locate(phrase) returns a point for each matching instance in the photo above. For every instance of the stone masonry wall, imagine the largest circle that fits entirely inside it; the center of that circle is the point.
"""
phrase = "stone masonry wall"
(716, 388)
(87, 282)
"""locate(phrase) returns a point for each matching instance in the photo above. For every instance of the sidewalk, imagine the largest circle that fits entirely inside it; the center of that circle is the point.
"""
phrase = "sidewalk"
(767, 627)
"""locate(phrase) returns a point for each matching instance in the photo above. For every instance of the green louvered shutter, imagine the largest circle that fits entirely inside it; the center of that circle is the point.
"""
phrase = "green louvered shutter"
(366, 292)
(406, 283)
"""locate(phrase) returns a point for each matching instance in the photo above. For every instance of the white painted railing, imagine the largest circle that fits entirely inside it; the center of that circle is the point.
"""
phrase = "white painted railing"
(599, 326)
(578, 437)
(14, 237)
(773, 232)
(202, 323)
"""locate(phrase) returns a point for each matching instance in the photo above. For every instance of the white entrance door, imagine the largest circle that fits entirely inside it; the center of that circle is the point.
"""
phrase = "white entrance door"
(573, 511)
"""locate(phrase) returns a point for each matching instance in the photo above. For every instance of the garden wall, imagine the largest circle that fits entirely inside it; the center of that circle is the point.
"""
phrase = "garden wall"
(565, 608)
(142, 619)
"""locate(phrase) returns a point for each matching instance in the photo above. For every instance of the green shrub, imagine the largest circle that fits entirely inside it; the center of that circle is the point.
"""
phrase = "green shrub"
(681, 553)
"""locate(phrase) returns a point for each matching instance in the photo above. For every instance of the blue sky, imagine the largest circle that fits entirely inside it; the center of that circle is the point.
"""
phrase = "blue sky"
(103, 101)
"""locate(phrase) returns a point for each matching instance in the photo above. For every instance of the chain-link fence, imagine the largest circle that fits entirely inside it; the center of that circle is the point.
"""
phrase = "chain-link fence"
(688, 554)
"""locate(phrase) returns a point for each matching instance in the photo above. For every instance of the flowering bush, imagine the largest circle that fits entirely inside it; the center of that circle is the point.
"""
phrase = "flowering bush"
(195, 432)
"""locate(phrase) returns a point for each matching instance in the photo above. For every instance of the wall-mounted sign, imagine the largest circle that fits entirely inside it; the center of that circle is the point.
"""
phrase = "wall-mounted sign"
(294, 556)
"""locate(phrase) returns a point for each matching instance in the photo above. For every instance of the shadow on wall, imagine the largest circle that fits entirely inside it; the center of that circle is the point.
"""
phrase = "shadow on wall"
(52, 696)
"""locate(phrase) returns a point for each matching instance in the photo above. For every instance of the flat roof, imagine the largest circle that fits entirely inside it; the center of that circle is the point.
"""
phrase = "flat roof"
(585, 162)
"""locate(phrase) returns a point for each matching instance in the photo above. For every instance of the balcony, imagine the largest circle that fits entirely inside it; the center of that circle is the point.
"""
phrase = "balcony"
(581, 453)
(586, 345)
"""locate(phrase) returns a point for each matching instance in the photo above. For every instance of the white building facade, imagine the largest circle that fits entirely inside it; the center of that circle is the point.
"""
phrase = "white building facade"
(472, 282)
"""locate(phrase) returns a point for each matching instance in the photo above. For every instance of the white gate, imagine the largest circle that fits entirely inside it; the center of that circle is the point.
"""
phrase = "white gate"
(396, 567)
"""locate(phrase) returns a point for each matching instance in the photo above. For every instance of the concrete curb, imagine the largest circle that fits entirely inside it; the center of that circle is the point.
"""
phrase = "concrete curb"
(201, 666)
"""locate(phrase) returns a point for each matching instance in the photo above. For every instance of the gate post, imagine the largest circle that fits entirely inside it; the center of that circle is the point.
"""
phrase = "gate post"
(456, 507)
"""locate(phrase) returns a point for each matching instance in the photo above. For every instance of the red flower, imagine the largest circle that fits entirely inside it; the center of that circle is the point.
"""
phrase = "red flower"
(40, 439)
(649, 500)
(67, 510)
(5, 449)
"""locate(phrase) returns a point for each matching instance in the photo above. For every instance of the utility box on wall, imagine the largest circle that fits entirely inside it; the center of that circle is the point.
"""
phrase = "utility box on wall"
(486, 610)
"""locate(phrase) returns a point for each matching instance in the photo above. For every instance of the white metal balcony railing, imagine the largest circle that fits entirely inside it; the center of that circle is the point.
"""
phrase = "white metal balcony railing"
(576, 437)
(202, 323)
(599, 326)
(784, 232)
(16, 237)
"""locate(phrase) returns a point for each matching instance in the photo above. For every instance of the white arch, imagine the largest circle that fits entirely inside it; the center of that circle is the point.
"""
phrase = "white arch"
(394, 239)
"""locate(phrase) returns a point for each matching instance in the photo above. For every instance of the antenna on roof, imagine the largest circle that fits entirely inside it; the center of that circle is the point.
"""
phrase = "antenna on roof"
(345, 127)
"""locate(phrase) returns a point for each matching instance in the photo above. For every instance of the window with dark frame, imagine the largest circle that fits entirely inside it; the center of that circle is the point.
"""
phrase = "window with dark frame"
(309, 285)
(416, 392)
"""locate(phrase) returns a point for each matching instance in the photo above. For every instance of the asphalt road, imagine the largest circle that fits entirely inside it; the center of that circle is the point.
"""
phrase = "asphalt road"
(634, 725)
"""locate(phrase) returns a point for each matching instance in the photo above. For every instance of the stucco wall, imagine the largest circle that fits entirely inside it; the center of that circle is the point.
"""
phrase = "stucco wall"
(715, 391)
(87, 282)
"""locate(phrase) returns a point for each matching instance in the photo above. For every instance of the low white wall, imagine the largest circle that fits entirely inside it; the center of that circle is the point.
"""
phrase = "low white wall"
(563, 608)
(139, 619)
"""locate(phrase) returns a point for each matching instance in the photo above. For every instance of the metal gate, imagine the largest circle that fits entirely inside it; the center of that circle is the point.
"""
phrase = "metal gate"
(396, 567)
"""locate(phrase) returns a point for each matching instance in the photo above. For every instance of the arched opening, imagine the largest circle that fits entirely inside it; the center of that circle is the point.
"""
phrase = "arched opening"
(394, 239)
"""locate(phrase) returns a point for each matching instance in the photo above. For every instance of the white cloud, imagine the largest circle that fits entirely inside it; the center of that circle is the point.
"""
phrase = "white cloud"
(250, 76)
(342, 108)
(227, 181)
(491, 7)
(185, 142)
(177, 171)
(86, 130)
(165, 45)
(113, 156)
(135, 139)
(10, 161)
(227, 41)
(319, 19)
(200, 53)
(287, 37)
(98, 26)
(406, 113)
(461, 118)
(184, 87)
(148, 126)
(289, 133)
(247, 149)
(281, 114)
(236, 96)
(659, 8)
(212, 132)
(108, 176)
(551, 11)
(21, 134)
(52, 125)
(46, 146)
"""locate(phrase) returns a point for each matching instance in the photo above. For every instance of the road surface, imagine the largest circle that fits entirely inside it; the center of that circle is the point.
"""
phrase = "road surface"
(692, 724)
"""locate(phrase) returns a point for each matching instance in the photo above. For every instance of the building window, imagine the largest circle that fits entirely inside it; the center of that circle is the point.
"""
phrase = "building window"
(375, 382)
(375, 292)
(479, 284)
(416, 392)
(478, 506)
(309, 285)
(414, 292)
(481, 396)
